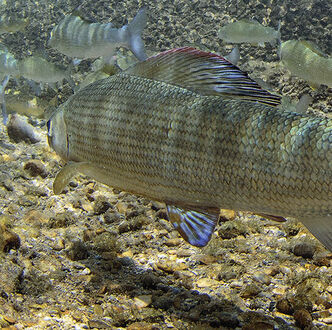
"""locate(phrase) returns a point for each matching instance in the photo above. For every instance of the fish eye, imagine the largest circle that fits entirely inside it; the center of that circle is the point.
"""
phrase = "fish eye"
(49, 127)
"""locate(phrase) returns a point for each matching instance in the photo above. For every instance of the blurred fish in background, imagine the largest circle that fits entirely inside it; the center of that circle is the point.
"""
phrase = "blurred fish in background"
(305, 60)
(77, 38)
(249, 31)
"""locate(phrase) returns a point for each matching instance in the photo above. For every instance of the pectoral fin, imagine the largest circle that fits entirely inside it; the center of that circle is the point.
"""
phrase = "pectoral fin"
(321, 228)
(66, 174)
(195, 227)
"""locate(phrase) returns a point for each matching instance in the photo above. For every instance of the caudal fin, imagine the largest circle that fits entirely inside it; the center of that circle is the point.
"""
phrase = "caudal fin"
(135, 28)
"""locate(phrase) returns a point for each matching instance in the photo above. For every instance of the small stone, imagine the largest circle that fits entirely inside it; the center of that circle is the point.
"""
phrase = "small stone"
(122, 207)
(284, 306)
(143, 301)
(124, 227)
(101, 205)
(304, 249)
(205, 259)
(250, 290)
(78, 251)
(232, 229)
(36, 168)
(8, 239)
(303, 318)
(227, 215)
(262, 278)
(184, 253)
(173, 242)
(206, 282)
(142, 326)
(19, 130)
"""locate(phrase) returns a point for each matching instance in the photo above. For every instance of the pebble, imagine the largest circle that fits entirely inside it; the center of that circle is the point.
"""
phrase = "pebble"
(36, 168)
(226, 215)
(206, 282)
(303, 318)
(19, 130)
(173, 242)
(250, 290)
(304, 249)
(262, 278)
(143, 301)
(284, 306)
(8, 239)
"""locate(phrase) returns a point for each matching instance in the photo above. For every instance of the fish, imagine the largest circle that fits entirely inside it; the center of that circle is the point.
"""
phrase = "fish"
(80, 39)
(8, 62)
(304, 59)
(191, 130)
(249, 31)
(8, 68)
(12, 25)
(40, 70)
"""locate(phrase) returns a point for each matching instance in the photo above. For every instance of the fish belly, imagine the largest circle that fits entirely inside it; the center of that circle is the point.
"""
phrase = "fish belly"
(173, 145)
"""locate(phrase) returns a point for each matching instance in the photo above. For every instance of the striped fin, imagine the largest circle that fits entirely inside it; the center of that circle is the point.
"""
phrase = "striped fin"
(195, 227)
(203, 72)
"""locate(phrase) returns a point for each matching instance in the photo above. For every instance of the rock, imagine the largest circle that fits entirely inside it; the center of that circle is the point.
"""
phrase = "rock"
(19, 130)
(78, 251)
(304, 249)
(173, 242)
(284, 306)
(226, 215)
(36, 168)
(206, 282)
(303, 319)
(101, 205)
(250, 290)
(143, 301)
(232, 229)
(8, 239)
(262, 278)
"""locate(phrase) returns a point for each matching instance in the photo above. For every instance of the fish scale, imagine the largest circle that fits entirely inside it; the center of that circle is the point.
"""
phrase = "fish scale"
(201, 152)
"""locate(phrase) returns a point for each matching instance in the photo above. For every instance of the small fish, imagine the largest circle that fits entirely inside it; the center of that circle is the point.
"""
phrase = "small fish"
(247, 31)
(77, 38)
(8, 63)
(11, 25)
(190, 129)
(8, 68)
(305, 60)
(40, 70)
(26, 105)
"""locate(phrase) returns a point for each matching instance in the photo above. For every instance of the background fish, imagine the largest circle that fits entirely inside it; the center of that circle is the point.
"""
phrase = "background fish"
(77, 38)
(248, 31)
(306, 61)
(40, 70)
(190, 129)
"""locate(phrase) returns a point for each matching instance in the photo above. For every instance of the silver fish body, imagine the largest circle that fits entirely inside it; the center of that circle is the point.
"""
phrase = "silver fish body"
(77, 38)
(199, 152)
(304, 60)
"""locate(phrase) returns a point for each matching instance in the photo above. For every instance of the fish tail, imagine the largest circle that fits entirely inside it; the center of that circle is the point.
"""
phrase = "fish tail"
(135, 28)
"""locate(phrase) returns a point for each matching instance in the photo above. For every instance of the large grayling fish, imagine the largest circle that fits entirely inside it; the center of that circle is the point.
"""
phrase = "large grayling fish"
(192, 130)
(75, 37)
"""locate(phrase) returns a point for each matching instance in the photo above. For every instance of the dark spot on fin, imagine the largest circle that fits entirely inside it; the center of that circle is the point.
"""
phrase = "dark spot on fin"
(321, 228)
(204, 73)
(195, 227)
(272, 217)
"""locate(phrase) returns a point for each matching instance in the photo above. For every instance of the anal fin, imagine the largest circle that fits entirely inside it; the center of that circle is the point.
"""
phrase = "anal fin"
(195, 227)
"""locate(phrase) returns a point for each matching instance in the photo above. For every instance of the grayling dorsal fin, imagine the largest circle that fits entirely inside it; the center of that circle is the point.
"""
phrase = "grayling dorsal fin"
(195, 227)
(203, 72)
(321, 228)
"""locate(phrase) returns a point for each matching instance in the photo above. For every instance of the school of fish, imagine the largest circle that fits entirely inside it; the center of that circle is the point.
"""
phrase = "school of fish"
(186, 127)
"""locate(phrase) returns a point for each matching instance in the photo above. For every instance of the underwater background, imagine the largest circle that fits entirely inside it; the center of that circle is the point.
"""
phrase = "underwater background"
(96, 257)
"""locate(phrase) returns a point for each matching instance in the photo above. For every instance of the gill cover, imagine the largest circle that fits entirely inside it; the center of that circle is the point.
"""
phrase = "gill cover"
(57, 134)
